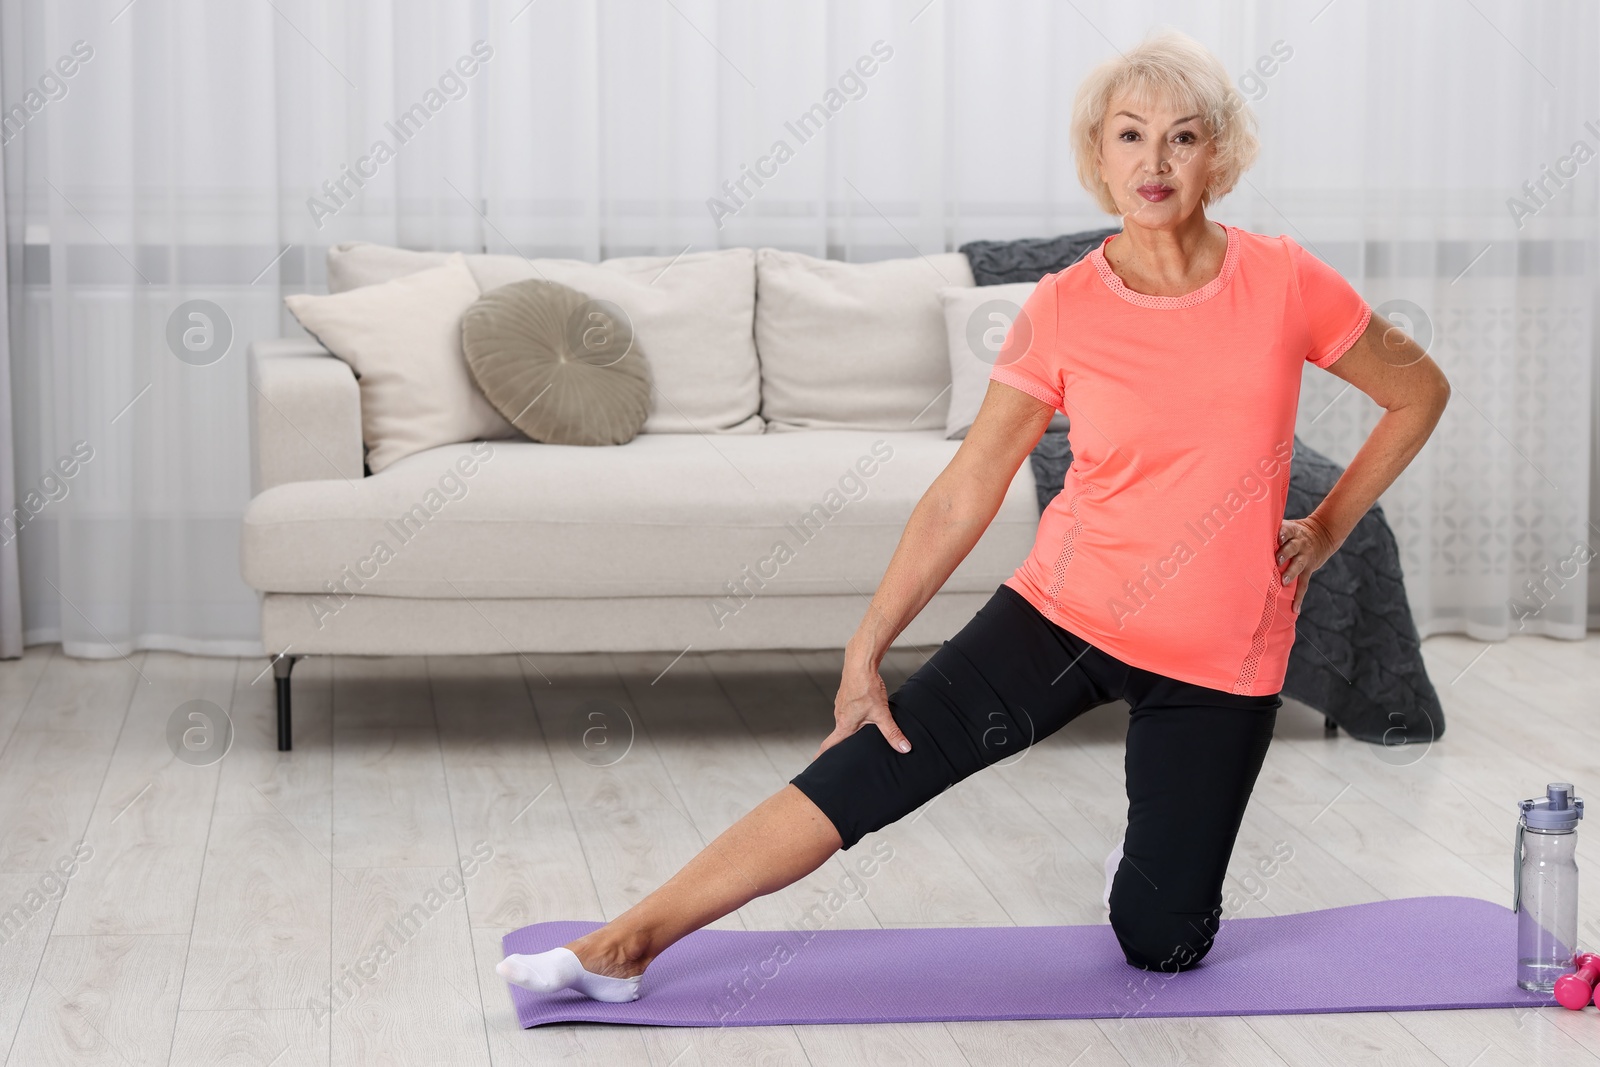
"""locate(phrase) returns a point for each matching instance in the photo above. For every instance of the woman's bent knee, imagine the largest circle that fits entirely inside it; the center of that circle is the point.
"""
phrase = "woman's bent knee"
(1168, 942)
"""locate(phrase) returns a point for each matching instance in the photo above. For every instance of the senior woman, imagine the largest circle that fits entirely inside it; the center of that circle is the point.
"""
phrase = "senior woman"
(1164, 573)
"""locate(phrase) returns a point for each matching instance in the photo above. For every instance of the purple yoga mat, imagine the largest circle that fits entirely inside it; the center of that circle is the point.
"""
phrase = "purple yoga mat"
(1393, 955)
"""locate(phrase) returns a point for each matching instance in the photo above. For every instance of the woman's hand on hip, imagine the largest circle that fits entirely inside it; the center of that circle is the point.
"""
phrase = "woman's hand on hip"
(1303, 546)
(863, 699)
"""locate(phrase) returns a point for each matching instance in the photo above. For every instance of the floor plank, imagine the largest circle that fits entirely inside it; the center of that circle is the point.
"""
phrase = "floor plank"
(150, 825)
(390, 804)
(18, 679)
(888, 1044)
(1340, 1040)
(263, 911)
(403, 986)
(504, 798)
(1046, 1043)
(281, 1038)
(30, 902)
(55, 761)
(1210, 1041)
(1501, 1038)
(102, 1000)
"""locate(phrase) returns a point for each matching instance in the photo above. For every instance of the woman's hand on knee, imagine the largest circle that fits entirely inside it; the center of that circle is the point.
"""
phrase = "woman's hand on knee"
(863, 699)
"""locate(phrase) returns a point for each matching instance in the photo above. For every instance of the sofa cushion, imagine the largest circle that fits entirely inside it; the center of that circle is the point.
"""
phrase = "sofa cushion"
(976, 322)
(664, 514)
(854, 345)
(691, 313)
(403, 340)
(564, 369)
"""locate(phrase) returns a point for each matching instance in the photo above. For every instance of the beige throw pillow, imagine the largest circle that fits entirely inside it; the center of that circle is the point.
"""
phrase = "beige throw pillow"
(976, 321)
(854, 345)
(403, 340)
(691, 313)
(563, 368)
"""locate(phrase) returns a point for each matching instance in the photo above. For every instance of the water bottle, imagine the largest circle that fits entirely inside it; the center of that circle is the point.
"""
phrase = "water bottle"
(1546, 886)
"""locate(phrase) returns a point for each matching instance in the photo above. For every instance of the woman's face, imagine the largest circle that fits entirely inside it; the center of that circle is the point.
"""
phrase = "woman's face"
(1155, 159)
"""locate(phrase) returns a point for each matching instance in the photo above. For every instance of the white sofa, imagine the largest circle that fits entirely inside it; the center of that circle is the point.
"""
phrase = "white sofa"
(667, 543)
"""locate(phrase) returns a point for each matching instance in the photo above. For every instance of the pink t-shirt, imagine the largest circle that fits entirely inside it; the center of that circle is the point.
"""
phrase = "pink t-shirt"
(1161, 547)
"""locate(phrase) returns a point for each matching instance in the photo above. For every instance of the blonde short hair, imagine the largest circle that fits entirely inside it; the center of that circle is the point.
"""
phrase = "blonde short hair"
(1175, 68)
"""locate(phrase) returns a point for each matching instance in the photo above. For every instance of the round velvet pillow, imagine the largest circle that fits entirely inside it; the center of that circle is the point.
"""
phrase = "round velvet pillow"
(561, 367)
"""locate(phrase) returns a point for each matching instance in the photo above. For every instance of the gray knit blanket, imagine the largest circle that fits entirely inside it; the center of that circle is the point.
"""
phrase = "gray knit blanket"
(1356, 658)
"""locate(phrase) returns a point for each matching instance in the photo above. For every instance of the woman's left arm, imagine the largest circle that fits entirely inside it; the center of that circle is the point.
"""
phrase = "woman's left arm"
(1393, 370)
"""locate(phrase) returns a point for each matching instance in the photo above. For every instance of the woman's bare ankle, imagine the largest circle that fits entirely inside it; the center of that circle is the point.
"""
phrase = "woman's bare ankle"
(612, 954)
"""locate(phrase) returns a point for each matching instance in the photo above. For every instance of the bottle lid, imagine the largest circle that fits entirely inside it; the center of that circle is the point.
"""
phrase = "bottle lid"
(1558, 809)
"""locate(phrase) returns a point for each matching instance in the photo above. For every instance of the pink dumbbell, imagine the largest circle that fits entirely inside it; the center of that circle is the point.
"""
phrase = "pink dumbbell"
(1576, 989)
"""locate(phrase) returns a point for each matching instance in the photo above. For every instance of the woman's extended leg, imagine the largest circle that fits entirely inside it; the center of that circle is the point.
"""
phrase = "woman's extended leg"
(1008, 679)
(781, 840)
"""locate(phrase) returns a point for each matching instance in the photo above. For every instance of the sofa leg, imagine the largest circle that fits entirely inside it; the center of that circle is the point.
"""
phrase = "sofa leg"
(1329, 727)
(282, 665)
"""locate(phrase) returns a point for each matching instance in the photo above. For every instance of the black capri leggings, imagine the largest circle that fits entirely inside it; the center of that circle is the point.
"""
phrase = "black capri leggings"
(1012, 677)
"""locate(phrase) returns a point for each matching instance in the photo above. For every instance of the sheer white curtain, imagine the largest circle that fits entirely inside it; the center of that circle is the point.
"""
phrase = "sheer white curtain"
(201, 151)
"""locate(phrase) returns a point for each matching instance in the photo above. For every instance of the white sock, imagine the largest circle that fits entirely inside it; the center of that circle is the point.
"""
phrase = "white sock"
(559, 969)
(1113, 861)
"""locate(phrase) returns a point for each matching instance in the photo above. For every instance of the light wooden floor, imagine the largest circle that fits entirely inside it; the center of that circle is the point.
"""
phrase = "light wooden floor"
(219, 899)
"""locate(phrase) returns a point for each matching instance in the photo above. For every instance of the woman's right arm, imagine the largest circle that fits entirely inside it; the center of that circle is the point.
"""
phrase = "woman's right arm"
(946, 523)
